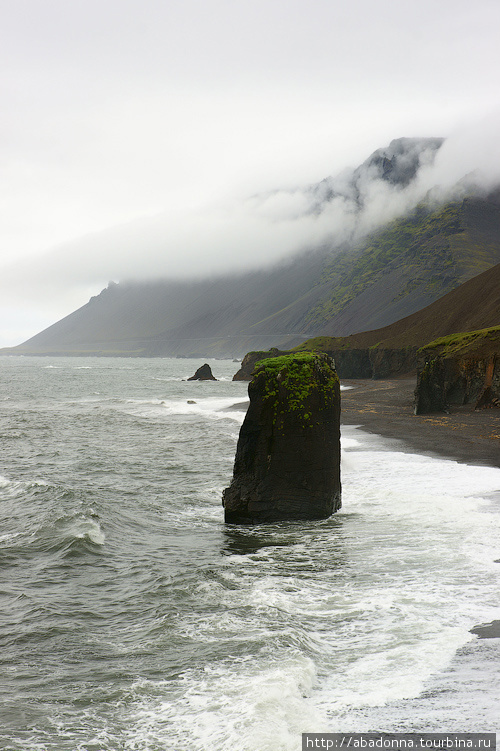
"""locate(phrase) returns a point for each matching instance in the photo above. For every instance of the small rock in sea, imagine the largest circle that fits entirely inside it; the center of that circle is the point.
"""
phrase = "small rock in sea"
(487, 630)
(203, 374)
(191, 401)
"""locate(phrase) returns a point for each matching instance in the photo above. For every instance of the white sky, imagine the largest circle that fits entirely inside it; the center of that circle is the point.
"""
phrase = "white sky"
(120, 110)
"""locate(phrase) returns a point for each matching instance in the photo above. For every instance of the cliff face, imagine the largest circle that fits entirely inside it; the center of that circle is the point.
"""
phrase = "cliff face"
(374, 362)
(350, 362)
(287, 463)
(458, 370)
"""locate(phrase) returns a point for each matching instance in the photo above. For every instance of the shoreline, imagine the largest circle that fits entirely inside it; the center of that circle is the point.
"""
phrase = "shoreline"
(385, 408)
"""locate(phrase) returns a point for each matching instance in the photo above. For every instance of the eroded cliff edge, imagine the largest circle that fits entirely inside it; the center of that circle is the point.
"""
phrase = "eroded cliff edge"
(459, 369)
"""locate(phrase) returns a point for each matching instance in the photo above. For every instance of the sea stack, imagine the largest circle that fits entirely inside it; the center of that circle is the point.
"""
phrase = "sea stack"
(204, 373)
(287, 463)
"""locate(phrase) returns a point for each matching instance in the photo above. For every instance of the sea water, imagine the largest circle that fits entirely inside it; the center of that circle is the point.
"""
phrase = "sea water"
(132, 618)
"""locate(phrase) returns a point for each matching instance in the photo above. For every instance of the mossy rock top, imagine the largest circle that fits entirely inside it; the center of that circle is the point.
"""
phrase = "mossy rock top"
(305, 363)
(295, 377)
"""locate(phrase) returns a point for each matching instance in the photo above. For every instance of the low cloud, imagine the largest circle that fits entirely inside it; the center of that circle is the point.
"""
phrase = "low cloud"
(262, 229)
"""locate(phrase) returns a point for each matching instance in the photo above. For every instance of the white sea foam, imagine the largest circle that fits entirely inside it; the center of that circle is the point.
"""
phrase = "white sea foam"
(83, 527)
(12, 536)
(215, 408)
(415, 546)
(167, 379)
(246, 704)
(15, 488)
(257, 634)
(211, 408)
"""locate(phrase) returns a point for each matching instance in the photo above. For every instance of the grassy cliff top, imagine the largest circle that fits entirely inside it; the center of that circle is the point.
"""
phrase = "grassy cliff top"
(471, 343)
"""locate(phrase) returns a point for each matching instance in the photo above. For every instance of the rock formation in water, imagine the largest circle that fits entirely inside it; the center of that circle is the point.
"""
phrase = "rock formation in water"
(287, 462)
(203, 374)
(487, 630)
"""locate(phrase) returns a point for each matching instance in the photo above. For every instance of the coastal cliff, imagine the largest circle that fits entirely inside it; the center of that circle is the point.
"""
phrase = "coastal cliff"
(350, 362)
(458, 370)
(287, 463)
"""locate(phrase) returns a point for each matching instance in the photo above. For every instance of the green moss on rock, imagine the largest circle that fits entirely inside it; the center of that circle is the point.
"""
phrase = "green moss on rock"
(290, 380)
(287, 463)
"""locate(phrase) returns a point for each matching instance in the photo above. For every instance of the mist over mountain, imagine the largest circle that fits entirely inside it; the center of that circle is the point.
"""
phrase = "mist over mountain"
(243, 233)
(354, 252)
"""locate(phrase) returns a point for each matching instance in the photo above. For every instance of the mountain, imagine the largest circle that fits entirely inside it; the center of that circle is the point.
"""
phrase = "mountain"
(409, 264)
(443, 326)
(344, 286)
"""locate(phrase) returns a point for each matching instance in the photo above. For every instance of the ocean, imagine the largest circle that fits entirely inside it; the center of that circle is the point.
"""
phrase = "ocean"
(132, 618)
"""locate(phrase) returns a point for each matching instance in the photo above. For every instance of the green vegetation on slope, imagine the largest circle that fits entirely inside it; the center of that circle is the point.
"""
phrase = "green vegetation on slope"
(384, 279)
(472, 306)
(323, 344)
(408, 264)
(465, 343)
(418, 242)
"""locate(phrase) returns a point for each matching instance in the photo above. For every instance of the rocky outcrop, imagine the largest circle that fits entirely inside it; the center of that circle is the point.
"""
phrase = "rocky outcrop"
(487, 630)
(287, 463)
(458, 370)
(252, 358)
(430, 393)
(374, 362)
(350, 362)
(203, 374)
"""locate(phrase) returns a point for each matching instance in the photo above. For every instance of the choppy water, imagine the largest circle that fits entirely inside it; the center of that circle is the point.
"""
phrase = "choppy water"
(132, 618)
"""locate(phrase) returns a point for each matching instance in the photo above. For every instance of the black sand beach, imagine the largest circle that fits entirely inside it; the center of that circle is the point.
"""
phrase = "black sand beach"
(386, 407)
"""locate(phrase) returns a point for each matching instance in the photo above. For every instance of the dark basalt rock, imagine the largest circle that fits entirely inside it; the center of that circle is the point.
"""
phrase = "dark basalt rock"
(444, 381)
(251, 358)
(487, 630)
(203, 374)
(430, 392)
(287, 463)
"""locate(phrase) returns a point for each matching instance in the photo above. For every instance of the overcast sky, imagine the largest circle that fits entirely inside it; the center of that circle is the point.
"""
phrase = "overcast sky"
(125, 112)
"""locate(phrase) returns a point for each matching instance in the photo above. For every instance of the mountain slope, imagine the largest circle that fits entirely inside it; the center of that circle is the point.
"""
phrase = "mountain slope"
(473, 306)
(188, 318)
(335, 289)
(409, 264)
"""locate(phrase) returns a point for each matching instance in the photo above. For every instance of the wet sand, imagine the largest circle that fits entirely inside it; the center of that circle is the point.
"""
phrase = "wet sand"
(386, 408)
